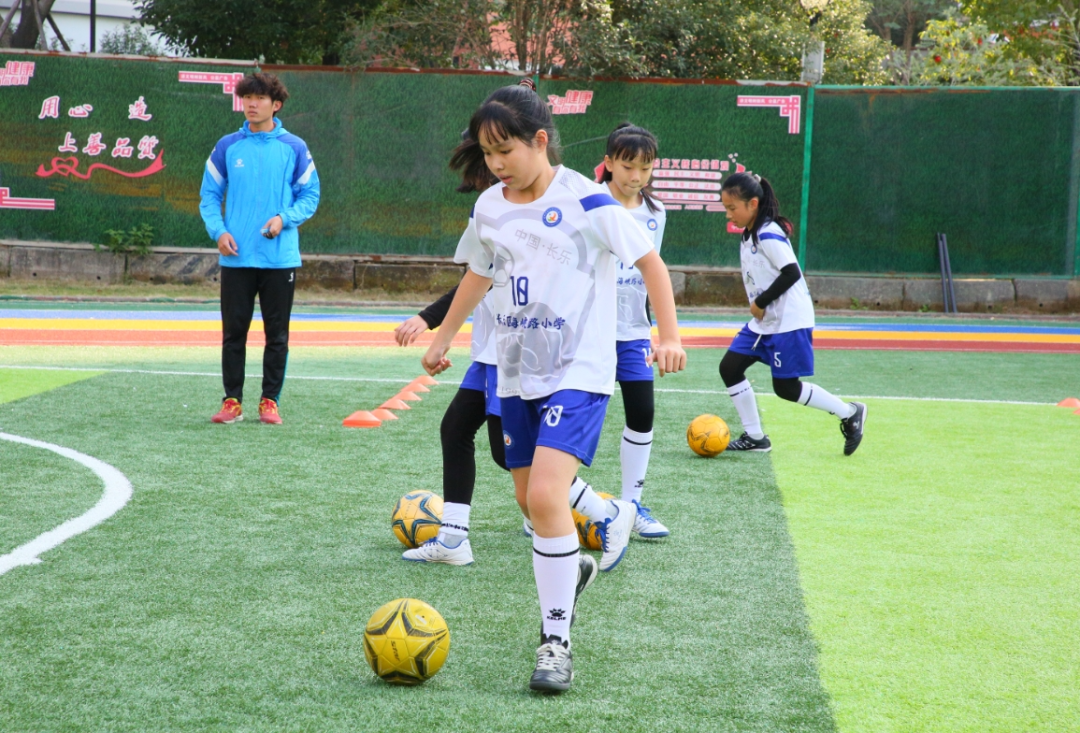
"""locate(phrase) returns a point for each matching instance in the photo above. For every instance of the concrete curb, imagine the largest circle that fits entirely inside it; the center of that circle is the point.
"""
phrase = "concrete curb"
(693, 286)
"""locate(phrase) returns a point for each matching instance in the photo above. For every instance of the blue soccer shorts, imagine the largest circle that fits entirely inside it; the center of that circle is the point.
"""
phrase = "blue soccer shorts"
(569, 420)
(789, 354)
(631, 366)
(484, 378)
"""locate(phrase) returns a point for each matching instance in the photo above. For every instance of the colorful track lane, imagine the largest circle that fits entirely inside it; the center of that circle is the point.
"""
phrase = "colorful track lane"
(134, 327)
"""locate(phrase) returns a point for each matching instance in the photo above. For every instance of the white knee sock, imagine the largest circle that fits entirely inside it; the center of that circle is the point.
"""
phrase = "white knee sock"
(455, 523)
(814, 396)
(586, 501)
(634, 454)
(742, 394)
(555, 565)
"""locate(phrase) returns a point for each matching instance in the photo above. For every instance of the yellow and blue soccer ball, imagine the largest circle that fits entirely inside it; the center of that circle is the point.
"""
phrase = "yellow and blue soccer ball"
(587, 532)
(708, 435)
(417, 517)
(406, 641)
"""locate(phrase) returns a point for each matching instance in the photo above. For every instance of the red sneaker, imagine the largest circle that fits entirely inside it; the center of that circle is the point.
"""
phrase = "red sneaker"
(230, 412)
(268, 411)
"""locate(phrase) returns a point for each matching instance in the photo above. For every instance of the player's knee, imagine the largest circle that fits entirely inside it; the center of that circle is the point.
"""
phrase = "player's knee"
(787, 389)
(731, 372)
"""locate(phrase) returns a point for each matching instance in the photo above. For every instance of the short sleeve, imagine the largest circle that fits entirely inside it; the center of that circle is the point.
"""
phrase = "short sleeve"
(777, 249)
(619, 232)
(472, 252)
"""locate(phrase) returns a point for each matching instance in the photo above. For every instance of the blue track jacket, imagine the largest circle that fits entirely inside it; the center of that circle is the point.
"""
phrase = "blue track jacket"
(267, 174)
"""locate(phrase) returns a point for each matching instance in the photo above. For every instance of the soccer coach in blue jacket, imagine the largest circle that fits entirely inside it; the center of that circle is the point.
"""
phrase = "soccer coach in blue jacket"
(272, 189)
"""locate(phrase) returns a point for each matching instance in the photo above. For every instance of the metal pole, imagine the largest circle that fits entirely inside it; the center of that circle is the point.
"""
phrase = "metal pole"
(93, 26)
(40, 25)
(948, 273)
(805, 212)
(944, 283)
(59, 35)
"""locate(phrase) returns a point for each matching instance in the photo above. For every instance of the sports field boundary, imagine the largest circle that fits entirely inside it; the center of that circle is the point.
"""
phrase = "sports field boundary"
(381, 380)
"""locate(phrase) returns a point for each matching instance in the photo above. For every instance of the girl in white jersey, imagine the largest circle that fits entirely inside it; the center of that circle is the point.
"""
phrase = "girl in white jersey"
(781, 332)
(546, 238)
(627, 168)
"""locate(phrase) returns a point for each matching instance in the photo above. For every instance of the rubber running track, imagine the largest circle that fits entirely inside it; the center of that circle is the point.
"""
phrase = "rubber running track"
(134, 327)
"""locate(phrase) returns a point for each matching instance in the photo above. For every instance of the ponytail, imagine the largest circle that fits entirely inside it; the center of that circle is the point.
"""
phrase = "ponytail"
(746, 186)
(627, 142)
(513, 111)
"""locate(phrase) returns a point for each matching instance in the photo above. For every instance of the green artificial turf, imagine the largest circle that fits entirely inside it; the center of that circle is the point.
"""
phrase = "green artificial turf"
(939, 562)
(231, 592)
(39, 488)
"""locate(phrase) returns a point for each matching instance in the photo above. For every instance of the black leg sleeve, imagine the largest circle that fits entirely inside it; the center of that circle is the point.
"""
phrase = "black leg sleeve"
(276, 288)
(733, 367)
(787, 389)
(495, 437)
(639, 405)
(238, 288)
(462, 420)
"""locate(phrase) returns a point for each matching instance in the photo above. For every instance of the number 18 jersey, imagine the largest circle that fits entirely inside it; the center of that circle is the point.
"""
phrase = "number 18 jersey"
(553, 264)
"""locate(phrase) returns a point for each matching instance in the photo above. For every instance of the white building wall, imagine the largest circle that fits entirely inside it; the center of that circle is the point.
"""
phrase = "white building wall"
(73, 19)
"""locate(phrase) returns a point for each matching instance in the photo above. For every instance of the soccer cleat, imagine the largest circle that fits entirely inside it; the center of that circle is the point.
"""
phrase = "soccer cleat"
(527, 527)
(615, 533)
(587, 571)
(554, 667)
(646, 526)
(852, 428)
(745, 443)
(435, 551)
(231, 412)
(268, 412)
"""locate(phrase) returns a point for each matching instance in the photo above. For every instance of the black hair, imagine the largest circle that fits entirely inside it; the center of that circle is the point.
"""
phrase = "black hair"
(746, 186)
(508, 112)
(627, 142)
(263, 84)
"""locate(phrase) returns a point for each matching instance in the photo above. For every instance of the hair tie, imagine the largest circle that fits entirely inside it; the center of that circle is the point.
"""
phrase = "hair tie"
(526, 81)
(756, 177)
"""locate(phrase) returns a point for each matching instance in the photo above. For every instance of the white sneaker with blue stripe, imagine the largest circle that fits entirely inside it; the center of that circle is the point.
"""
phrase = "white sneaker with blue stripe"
(435, 551)
(645, 525)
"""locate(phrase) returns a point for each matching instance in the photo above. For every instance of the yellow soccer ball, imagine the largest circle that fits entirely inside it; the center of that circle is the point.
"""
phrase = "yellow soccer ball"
(406, 642)
(586, 530)
(708, 435)
(417, 518)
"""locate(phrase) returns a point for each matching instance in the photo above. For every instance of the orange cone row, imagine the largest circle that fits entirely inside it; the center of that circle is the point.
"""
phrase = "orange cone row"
(400, 401)
(1071, 403)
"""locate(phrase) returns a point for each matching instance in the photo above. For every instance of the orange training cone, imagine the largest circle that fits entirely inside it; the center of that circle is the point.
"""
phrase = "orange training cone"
(361, 419)
(1069, 402)
(394, 404)
(407, 396)
(417, 387)
(1076, 412)
(425, 379)
(383, 414)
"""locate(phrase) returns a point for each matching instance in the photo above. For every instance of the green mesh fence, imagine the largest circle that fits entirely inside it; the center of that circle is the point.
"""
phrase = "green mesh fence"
(381, 142)
(995, 170)
(36, 121)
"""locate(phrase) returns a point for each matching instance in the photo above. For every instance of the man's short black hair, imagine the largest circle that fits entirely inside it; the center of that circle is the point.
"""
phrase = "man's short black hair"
(265, 85)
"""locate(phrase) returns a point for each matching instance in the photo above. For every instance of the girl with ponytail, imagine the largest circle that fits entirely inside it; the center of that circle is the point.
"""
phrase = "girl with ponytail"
(781, 331)
(626, 170)
(545, 240)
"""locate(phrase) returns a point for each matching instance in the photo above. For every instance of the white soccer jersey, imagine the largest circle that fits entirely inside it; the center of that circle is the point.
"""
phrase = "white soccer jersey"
(633, 318)
(483, 331)
(761, 263)
(553, 264)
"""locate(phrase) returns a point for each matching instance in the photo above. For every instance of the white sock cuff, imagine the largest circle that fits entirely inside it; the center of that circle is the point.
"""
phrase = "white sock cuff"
(737, 389)
(632, 436)
(555, 546)
(455, 518)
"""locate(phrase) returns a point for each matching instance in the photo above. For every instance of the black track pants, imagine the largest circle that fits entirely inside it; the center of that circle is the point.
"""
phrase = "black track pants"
(239, 286)
(462, 421)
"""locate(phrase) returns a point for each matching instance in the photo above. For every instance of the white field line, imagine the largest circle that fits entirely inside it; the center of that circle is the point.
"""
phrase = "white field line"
(116, 495)
(454, 384)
